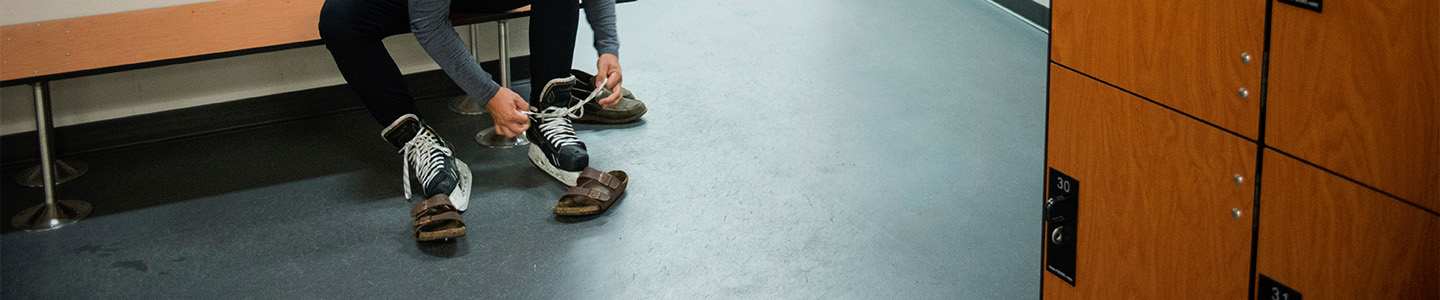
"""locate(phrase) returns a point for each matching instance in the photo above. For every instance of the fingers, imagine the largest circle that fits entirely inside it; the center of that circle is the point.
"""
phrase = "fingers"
(613, 81)
(521, 105)
(505, 108)
(609, 67)
(609, 77)
(611, 101)
(521, 124)
(503, 131)
(511, 124)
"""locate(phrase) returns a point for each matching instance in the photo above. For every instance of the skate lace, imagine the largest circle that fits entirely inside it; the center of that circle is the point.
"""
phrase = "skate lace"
(425, 153)
(555, 121)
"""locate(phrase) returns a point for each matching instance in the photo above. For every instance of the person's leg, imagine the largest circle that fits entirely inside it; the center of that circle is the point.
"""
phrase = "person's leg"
(552, 42)
(554, 146)
(353, 30)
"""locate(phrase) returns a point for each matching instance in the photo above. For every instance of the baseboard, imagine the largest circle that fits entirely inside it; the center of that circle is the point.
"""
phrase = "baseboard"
(1037, 14)
(23, 148)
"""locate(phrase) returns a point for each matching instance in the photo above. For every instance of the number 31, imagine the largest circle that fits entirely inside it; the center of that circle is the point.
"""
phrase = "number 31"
(1277, 295)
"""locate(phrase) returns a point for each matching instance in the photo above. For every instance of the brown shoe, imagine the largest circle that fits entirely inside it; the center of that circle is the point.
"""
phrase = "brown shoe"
(628, 110)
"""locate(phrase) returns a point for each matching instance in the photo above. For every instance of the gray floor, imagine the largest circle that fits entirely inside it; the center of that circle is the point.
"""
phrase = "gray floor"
(793, 150)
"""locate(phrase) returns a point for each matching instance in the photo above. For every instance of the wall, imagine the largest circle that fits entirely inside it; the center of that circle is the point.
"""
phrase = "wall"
(122, 94)
(1036, 12)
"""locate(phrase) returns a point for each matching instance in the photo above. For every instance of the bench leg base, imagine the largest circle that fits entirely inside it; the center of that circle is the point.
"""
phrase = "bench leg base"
(489, 139)
(466, 106)
(46, 216)
(64, 171)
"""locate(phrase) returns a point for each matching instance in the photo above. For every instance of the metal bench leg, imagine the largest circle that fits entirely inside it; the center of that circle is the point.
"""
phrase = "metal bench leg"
(504, 33)
(64, 171)
(487, 137)
(465, 105)
(51, 214)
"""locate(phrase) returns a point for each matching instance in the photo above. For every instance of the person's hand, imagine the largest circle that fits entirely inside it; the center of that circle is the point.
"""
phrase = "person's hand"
(609, 66)
(506, 109)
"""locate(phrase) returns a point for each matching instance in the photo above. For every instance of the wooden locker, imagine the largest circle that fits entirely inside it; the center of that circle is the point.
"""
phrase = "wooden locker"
(1184, 54)
(1157, 192)
(1329, 238)
(1356, 89)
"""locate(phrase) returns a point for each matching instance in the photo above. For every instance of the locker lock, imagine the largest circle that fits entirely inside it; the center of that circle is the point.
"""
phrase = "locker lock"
(1060, 209)
(1057, 236)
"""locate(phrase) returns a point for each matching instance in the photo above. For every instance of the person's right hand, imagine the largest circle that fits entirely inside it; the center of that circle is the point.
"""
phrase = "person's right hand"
(505, 108)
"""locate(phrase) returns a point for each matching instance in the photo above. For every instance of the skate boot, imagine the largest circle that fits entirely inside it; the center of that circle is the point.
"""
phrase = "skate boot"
(554, 148)
(430, 160)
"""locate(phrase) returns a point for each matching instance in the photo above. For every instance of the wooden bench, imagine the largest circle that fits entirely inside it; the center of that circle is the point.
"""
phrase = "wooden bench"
(39, 52)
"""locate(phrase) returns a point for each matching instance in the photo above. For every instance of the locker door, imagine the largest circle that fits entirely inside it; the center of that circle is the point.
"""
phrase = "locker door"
(1356, 89)
(1156, 195)
(1328, 238)
(1185, 54)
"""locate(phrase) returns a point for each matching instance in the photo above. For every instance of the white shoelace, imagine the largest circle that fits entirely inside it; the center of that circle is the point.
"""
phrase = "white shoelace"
(420, 152)
(555, 121)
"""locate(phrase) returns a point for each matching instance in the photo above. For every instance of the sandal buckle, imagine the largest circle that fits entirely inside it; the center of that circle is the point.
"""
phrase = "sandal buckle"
(607, 180)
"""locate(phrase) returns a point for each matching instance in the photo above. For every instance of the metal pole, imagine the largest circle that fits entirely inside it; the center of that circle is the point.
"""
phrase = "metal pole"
(51, 214)
(51, 171)
(465, 105)
(43, 125)
(504, 29)
(475, 41)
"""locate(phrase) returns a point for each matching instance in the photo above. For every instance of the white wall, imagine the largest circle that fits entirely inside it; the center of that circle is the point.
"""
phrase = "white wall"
(122, 94)
(1045, 3)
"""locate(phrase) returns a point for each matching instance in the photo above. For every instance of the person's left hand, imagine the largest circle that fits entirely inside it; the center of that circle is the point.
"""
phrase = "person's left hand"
(609, 66)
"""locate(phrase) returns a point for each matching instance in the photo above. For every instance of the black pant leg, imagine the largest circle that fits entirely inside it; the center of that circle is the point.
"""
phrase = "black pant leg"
(352, 30)
(552, 41)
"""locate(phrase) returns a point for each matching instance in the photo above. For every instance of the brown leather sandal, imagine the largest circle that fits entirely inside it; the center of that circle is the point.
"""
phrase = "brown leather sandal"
(436, 218)
(593, 193)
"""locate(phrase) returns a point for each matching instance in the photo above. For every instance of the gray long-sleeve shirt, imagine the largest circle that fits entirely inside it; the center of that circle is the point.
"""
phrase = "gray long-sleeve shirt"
(429, 20)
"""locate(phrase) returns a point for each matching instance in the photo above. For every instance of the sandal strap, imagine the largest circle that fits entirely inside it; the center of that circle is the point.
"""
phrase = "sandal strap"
(445, 217)
(591, 174)
(432, 206)
(596, 194)
(587, 175)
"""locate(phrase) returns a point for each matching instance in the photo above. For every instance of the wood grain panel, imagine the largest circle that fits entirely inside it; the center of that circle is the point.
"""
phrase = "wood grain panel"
(1156, 194)
(1356, 90)
(52, 47)
(1185, 54)
(1329, 238)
